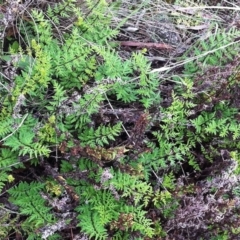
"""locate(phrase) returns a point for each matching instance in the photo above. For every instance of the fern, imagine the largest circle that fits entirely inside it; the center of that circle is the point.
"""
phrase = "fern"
(99, 211)
(23, 142)
(6, 127)
(217, 50)
(9, 159)
(132, 186)
(100, 136)
(142, 224)
(3, 179)
(58, 97)
(91, 226)
(28, 198)
(162, 198)
(168, 181)
(106, 206)
(121, 184)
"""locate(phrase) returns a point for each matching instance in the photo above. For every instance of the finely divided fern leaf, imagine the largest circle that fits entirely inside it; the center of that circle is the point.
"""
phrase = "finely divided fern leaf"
(23, 142)
(91, 226)
(102, 135)
(6, 127)
(28, 198)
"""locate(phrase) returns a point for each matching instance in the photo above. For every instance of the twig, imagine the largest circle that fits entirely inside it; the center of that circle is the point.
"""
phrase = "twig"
(162, 46)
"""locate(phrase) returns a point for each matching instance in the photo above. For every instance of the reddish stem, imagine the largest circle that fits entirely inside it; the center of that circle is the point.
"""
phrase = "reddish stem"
(162, 46)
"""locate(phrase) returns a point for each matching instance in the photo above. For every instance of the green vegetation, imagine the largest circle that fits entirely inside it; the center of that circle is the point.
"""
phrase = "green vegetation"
(99, 143)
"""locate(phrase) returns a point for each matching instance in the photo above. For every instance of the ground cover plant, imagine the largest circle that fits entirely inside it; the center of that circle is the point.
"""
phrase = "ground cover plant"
(119, 120)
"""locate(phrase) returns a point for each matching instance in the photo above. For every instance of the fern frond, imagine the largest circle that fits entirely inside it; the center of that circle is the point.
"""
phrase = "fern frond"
(3, 179)
(217, 50)
(28, 198)
(102, 135)
(23, 142)
(89, 223)
(9, 159)
(6, 127)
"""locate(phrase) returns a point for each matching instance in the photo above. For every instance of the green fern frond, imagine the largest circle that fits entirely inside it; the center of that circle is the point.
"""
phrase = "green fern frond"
(106, 206)
(217, 50)
(6, 127)
(28, 198)
(132, 186)
(9, 159)
(3, 179)
(102, 135)
(143, 224)
(89, 223)
(23, 142)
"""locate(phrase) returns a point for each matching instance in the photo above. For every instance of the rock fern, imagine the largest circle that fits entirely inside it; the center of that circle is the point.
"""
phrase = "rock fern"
(91, 129)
